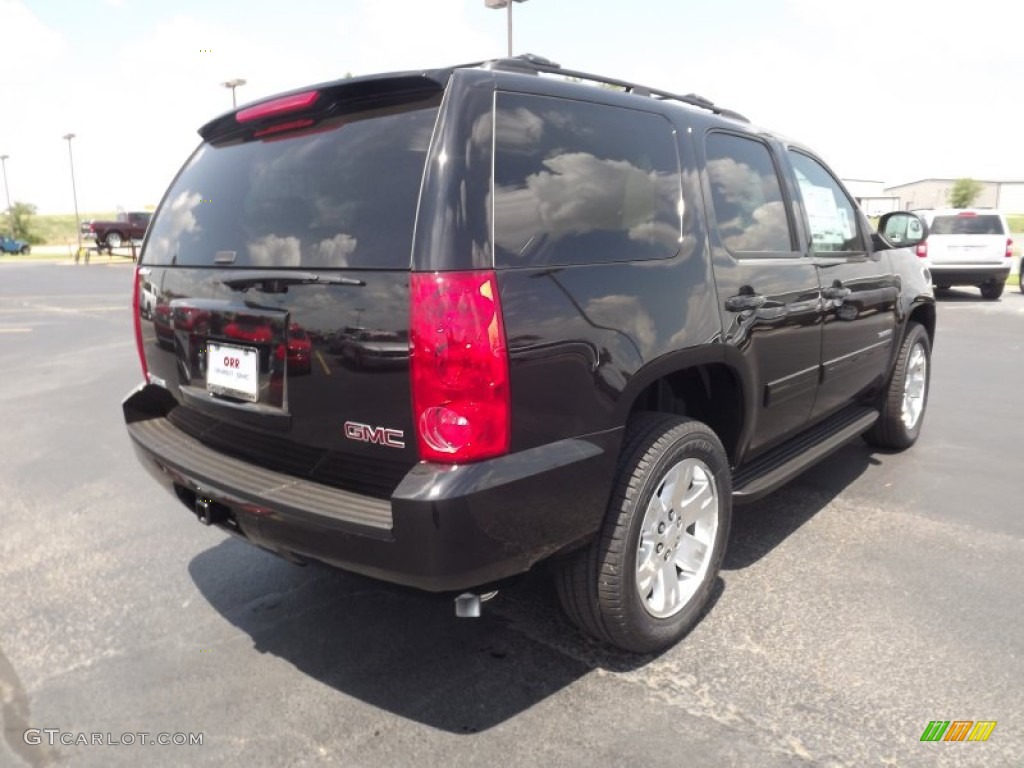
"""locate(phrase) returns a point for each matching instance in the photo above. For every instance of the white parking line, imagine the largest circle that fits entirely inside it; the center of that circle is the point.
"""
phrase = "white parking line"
(51, 297)
(15, 330)
(62, 310)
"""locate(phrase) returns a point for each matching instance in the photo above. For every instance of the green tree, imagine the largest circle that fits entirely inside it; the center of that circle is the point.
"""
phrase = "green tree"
(964, 192)
(21, 221)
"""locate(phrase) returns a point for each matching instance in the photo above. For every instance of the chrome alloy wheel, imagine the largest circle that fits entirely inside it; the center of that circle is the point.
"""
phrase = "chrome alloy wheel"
(677, 537)
(915, 386)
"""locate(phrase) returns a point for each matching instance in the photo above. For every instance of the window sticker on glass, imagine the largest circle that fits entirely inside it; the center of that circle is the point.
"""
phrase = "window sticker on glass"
(830, 225)
(830, 213)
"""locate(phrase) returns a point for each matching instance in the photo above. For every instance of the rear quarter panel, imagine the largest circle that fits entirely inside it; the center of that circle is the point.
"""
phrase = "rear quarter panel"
(579, 336)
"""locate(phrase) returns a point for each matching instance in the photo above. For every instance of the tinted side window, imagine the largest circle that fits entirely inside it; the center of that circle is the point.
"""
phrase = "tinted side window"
(342, 194)
(579, 183)
(746, 194)
(830, 214)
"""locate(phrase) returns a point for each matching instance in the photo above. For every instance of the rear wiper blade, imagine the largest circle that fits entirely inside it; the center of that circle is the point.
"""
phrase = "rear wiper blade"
(277, 281)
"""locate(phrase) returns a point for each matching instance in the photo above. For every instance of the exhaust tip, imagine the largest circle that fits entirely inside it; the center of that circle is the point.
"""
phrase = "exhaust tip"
(467, 605)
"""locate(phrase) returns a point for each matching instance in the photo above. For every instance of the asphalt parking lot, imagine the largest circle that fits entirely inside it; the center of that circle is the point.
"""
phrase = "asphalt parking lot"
(875, 594)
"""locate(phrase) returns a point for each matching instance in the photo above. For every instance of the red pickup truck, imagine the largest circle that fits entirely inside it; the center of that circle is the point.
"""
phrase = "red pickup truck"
(112, 234)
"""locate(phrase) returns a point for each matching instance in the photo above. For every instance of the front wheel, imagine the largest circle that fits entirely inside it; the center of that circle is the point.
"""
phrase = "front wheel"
(1020, 279)
(647, 578)
(113, 240)
(904, 400)
(25, 250)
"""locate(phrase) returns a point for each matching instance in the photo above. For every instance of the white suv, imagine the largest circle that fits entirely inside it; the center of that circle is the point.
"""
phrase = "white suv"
(968, 246)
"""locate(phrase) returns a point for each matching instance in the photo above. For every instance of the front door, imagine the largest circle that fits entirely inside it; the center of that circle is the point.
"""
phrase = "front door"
(859, 290)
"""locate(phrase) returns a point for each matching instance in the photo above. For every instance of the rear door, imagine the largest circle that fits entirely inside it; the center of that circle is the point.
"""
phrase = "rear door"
(768, 287)
(967, 238)
(279, 264)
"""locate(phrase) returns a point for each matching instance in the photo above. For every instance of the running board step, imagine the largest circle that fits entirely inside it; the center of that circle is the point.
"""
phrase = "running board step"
(764, 475)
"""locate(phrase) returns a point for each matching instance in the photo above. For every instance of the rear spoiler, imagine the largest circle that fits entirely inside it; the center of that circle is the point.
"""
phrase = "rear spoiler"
(333, 99)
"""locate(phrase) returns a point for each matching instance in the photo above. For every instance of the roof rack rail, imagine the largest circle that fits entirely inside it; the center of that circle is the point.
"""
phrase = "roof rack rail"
(530, 63)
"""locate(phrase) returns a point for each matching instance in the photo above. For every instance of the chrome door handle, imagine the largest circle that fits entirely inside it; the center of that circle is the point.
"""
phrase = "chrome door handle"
(744, 302)
(836, 292)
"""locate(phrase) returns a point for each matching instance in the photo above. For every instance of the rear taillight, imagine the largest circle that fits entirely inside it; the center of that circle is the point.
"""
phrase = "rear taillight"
(137, 317)
(922, 250)
(1009, 247)
(459, 366)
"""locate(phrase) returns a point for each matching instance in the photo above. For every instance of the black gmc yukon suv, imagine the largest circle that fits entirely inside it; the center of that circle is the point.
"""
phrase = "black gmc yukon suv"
(438, 327)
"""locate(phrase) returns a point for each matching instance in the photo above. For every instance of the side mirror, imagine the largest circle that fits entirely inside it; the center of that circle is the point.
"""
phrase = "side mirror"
(900, 229)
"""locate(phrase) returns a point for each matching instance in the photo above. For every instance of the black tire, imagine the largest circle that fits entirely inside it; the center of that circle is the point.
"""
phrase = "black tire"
(992, 290)
(1020, 278)
(598, 586)
(25, 250)
(113, 240)
(891, 431)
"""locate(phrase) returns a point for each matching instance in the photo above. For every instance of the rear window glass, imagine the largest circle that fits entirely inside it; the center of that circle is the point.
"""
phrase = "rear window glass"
(983, 224)
(576, 183)
(343, 194)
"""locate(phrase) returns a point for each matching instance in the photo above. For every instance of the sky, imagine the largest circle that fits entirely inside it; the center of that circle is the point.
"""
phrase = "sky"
(883, 90)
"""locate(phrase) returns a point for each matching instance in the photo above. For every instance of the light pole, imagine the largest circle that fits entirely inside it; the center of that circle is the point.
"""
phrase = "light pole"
(74, 192)
(7, 194)
(505, 4)
(232, 84)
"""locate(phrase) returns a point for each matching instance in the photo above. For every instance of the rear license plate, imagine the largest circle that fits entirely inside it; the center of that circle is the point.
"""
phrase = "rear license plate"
(233, 371)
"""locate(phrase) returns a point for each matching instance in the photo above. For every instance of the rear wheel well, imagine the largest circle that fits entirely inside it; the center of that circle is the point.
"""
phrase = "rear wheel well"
(708, 393)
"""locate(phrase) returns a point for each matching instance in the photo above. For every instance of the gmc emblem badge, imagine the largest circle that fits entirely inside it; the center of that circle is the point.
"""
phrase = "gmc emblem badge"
(364, 433)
